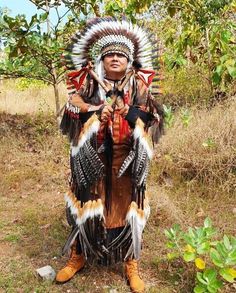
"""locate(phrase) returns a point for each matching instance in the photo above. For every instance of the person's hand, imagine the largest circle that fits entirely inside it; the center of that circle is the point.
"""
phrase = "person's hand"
(124, 110)
(106, 113)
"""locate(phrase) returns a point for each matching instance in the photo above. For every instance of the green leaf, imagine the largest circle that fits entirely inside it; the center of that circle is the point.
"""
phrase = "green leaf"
(33, 20)
(225, 273)
(200, 289)
(217, 284)
(219, 69)
(224, 58)
(43, 16)
(231, 71)
(216, 258)
(211, 289)
(227, 242)
(210, 275)
(203, 248)
(170, 244)
(172, 255)
(216, 78)
(232, 256)
(222, 249)
(168, 234)
(226, 36)
(201, 279)
(189, 256)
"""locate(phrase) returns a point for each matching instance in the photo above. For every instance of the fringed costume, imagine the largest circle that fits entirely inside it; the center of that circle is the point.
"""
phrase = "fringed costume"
(106, 205)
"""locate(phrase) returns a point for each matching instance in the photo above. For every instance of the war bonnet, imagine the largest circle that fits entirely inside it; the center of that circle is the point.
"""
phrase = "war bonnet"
(107, 35)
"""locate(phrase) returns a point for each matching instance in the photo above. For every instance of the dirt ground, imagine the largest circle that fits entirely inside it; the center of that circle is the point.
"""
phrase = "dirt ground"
(33, 228)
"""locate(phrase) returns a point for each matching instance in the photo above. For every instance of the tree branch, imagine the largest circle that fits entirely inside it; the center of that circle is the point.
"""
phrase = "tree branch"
(38, 6)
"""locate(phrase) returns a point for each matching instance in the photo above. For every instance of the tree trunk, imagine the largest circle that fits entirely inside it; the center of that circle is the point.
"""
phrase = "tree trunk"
(57, 101)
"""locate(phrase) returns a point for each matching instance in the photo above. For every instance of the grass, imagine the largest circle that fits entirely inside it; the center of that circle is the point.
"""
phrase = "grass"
(202, 154)
(188, 182)
(32, 99)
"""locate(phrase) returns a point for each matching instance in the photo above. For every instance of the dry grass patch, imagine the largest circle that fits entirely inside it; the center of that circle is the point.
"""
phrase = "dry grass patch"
(202, 154)
(30, 99)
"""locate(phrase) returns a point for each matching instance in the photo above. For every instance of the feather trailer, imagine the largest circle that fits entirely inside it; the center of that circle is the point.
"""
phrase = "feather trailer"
(84, 217)
(118, 241)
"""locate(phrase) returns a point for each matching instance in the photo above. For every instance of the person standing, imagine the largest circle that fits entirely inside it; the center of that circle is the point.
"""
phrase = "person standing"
(107, 118)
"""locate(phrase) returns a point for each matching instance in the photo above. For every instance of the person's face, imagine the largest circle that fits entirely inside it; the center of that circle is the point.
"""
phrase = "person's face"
(115, 64)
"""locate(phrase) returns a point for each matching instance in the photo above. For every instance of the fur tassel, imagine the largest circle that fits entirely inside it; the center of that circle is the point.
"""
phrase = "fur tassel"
(90, 128)
(137, 219)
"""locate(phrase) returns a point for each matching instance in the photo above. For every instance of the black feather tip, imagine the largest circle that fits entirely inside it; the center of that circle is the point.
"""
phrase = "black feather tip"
(136, 64)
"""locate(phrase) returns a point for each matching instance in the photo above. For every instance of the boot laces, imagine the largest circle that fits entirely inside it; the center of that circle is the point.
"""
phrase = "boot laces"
(132, 268)
(73, 261)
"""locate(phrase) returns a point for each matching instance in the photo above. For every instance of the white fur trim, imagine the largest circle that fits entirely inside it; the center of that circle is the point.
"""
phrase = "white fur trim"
(93, 128)
(140, 134)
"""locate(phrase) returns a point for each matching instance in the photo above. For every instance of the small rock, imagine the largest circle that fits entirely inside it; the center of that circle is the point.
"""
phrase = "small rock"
(234, 211)
(47, 273)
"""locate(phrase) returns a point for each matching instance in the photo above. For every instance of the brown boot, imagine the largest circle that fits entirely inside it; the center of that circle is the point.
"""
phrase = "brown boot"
(74, 264)
(131, 271)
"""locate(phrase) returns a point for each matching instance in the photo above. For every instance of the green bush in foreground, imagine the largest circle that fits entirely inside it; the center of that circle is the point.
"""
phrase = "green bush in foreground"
(215, 260)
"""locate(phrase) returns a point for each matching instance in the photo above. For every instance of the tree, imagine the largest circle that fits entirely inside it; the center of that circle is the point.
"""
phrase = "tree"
(201, 32)
(33, 52)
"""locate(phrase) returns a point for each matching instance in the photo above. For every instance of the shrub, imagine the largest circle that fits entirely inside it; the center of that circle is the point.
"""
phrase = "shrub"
(185, 86)
(215, 260)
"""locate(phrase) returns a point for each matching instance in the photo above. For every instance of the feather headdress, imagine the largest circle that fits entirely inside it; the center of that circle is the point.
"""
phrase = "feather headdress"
(105, 35)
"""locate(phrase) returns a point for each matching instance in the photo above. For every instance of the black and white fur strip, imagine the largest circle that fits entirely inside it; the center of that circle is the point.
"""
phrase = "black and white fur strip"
(90, 128)
(103, 32)
(89, 210)
(137, 218)
(140, 135)
(86, 220)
